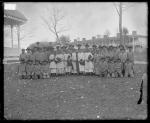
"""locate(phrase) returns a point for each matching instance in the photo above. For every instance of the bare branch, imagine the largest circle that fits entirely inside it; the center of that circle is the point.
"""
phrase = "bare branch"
(48, 25)
(53, 21)
(116, 9)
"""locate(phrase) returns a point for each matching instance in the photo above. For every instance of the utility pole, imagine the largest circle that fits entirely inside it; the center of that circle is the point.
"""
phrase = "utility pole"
(120, 22)
(120, 19)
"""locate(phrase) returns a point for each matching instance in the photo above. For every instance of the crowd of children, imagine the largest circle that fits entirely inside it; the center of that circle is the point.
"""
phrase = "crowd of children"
(101, 61)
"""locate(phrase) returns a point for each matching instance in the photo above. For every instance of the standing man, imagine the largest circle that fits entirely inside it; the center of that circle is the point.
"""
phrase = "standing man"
(130, 56)
(123, 58)
(22, 66)
(29, 64)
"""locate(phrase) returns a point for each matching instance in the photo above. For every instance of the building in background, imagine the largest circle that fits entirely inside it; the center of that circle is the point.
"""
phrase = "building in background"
(135, 40)
(13, 19)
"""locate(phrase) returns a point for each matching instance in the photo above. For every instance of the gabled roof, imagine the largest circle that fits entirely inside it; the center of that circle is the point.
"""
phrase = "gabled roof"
(15, 14)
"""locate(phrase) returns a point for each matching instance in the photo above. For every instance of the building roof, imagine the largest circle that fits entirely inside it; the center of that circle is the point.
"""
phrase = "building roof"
(14, 16)
(15, 13)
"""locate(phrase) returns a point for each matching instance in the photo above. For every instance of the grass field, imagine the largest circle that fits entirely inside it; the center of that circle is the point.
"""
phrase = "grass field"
(72, 97)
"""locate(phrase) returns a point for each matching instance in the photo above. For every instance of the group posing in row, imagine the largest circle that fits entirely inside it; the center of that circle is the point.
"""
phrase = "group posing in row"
(39, 63)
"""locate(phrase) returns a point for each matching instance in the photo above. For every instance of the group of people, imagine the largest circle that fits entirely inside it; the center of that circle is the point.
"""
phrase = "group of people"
(39, 63)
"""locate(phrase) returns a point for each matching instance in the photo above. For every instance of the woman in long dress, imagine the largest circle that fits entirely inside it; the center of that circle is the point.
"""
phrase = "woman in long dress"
(74, 60)
(59, 61)
(81, 59)
(88, 61)
(52, 63)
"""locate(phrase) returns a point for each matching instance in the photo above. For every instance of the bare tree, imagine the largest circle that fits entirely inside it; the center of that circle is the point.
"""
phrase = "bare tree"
(54, 21)
(64, 39)
(25, 34)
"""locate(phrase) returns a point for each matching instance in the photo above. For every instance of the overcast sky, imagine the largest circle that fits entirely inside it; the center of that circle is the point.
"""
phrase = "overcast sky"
(83, 20)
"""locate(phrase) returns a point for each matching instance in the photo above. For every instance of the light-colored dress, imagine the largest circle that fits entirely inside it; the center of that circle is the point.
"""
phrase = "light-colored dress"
(52, 63)
(74, 60)
(81, 56)
(88, 63)
(60, 65)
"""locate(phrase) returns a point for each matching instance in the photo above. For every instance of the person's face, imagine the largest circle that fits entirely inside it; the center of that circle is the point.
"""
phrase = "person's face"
(23, 51)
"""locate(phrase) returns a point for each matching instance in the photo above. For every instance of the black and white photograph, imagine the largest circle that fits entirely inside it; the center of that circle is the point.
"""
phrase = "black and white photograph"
(75, 60)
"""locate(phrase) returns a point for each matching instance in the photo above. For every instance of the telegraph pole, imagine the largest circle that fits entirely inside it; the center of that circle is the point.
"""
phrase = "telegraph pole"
(120, 23)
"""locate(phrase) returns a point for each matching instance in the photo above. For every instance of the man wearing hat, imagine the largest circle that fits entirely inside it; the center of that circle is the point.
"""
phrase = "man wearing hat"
(38, 62)
(22, 66)
(130, 56)
(123, 58)
(29, 64)
(74, 60)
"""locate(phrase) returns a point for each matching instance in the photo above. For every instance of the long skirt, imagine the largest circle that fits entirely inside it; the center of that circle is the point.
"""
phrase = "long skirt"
(60, 68)
(81, 68)
(52, 67)
(65, 67)
(89, 67)
(74, 70)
